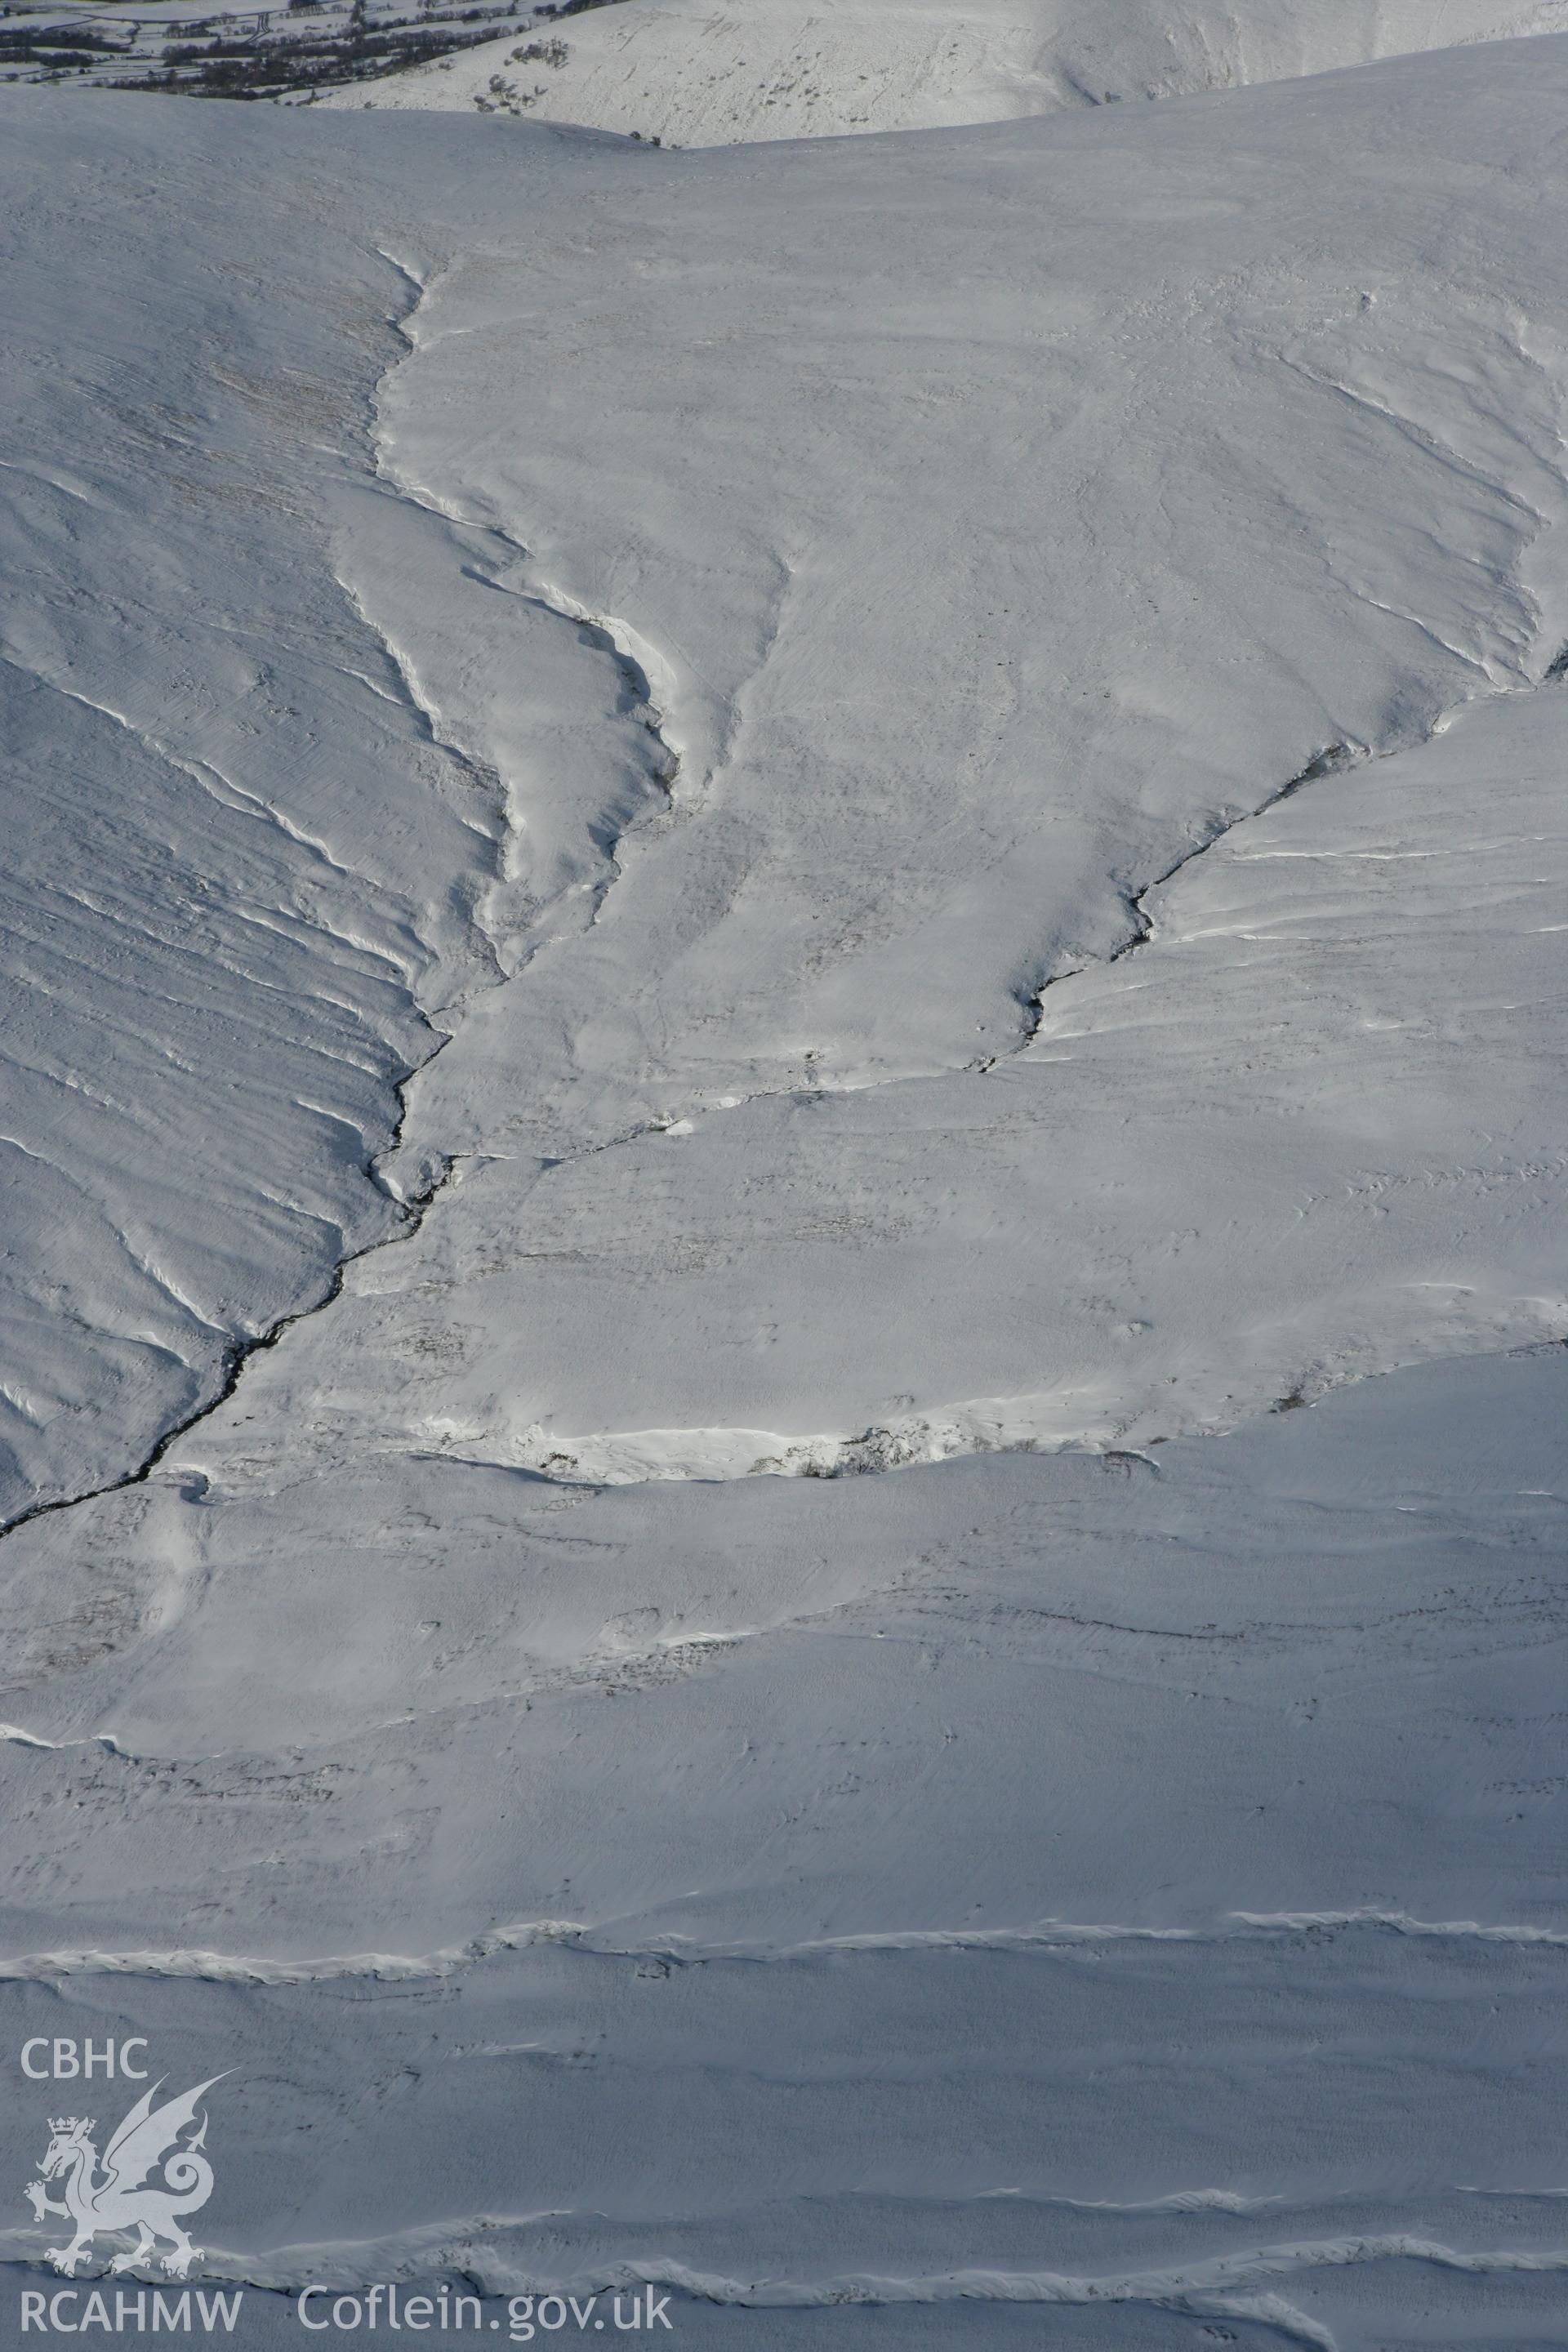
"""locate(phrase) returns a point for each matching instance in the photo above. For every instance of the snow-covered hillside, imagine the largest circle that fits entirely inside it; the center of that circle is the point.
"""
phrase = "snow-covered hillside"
(680, 72)
(240, 878)
(786, 1284)
(700, 73)
(993, 575)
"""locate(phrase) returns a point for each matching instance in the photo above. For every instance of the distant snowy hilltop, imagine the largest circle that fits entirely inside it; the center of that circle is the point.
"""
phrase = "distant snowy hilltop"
(783, 1277)
(692, 74)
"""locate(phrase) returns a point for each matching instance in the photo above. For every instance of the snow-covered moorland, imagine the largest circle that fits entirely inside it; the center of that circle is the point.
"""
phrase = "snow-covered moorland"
(784, 1280)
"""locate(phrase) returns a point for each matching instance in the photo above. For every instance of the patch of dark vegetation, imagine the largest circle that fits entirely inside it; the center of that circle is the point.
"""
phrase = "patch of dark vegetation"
(265, 68)
(310, 47)
(572, 7)
(60, 45)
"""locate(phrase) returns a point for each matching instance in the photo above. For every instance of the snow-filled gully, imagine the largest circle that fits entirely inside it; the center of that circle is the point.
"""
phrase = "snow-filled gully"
(411, 1209)
(602, 631)
(1331, 761)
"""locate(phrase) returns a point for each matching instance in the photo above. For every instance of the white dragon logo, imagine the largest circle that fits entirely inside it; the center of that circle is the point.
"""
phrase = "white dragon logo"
(123, 2197)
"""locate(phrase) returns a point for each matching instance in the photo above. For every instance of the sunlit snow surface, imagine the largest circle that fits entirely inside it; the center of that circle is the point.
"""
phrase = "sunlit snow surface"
(959, 732)
(698, 73)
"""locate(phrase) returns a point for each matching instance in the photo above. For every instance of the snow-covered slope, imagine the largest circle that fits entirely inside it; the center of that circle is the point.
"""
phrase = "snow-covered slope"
(247, 883)
(964, 734)
(693, 73)
(221, 811)
(862, 1904)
